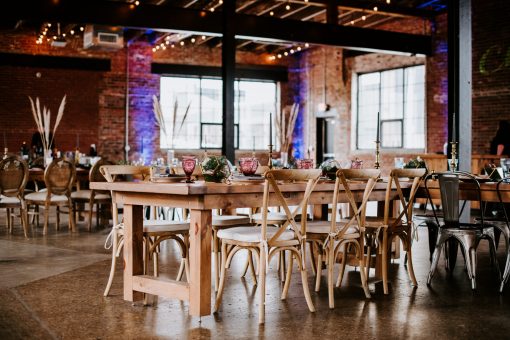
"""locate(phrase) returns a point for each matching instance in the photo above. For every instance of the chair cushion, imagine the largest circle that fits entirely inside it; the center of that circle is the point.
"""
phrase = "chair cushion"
(85, 195)
(9, 200)
(41, 197)
(162, 226)
(325, 226)
(229, 220)
(272, 217)
(252, 234)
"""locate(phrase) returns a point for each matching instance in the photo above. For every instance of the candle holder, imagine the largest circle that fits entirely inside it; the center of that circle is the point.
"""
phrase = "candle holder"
(270, 161)
(454, 163)
(377, 154)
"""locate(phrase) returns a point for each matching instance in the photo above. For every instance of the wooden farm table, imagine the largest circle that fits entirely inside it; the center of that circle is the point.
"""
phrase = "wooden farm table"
(199, 198)
(468, 191)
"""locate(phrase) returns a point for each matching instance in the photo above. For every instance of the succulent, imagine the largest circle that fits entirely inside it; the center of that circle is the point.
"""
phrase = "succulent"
(329, 168)
(415, 163)
(215, 169)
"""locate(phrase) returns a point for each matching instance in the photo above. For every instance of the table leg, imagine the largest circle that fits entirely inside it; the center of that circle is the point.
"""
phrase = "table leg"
(200, 263)
(133, 249)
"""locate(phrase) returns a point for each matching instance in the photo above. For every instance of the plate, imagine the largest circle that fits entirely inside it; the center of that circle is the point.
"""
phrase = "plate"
(168, 179)
(248, 179)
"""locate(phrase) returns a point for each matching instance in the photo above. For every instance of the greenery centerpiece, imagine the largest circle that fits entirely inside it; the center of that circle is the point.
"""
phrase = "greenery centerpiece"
(329, 168)
(415, 163)
(215, 169)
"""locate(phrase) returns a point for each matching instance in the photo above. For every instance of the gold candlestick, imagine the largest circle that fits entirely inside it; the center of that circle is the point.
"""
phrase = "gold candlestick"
(453, 162)
(270, 161)
(377, 154)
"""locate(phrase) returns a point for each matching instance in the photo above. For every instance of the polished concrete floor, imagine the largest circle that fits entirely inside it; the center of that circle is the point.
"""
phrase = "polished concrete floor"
(51, 287)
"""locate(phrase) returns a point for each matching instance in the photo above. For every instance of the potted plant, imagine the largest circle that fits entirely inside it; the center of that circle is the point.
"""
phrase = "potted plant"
(329, 168)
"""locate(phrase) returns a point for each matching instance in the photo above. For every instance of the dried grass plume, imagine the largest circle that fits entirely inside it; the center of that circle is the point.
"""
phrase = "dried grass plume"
(43, 120)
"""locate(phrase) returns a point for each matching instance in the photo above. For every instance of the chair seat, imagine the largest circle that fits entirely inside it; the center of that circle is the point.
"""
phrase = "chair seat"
(41, 197)
(253, 234)
(325, 227)
(9, 200)
(229, 220)
(85, 195)
(272, 217)
(156, 227)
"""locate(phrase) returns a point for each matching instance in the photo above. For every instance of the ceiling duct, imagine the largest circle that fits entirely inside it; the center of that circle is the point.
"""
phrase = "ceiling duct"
(103, 37)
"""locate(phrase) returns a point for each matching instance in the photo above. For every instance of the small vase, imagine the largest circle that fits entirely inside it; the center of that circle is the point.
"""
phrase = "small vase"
(47, 157)
(170, 157)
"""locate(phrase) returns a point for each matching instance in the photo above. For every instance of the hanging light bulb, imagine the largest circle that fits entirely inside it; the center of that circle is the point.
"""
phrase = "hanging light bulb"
(287, 7)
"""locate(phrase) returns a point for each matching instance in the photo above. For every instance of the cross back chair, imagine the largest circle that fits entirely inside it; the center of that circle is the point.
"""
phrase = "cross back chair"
(266, 241)
(468, 235)
(92, 197)
(338, 235)
(154, 231)
(13, 179)
(400, 226)
(59, 177)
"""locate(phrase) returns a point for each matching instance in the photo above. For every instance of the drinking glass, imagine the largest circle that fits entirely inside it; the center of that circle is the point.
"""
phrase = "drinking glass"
(505, 162)
(305, 163)
(248, 165)
(356, 164)
(399, 162)
(188, 166)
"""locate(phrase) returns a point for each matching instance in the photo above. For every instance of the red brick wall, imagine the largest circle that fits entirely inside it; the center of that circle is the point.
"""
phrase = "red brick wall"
(491, 70)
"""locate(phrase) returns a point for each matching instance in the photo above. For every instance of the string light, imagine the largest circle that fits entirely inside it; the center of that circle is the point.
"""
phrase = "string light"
(203, 37)
(307, 45)
(137, 3)
(212, 9)
(376, 9)
(271, 13)
(388, 1)
(81, 28)
(287, 7)
(182, 43)
(193, 40)
(286, 53)
(364, 17)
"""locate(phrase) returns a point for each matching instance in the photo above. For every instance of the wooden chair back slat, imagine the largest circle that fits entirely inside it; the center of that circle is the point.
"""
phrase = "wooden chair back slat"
(59, 177)
(13, 176)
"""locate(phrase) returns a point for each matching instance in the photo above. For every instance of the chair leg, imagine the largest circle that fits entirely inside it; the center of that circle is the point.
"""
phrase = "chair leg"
(385, 260)
(468, 243)
(361, 259)
(410, 268)
(342, 267)
(318, 272)
(331, 263)
(216, 256)
(252, 267)
(112, 268)
(304, 279)
(46, 218)
(262, 286)
(223, 277)
(312, 257)
(58, 217)
(24, 217)
(287, 278)
(9, 220)
(367, 263)
(435, 256)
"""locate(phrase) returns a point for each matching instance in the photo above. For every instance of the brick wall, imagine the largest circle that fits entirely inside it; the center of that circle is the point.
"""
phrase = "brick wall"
(491, 70)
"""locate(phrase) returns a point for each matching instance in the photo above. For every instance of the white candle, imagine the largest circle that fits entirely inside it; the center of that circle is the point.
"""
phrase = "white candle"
(377, 139)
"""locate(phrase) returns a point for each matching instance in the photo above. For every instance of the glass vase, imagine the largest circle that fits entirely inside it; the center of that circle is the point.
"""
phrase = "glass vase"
(284, 156)
(47, 157)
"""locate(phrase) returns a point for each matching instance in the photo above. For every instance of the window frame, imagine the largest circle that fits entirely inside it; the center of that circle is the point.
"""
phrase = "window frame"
(401, 120)
(237, 112)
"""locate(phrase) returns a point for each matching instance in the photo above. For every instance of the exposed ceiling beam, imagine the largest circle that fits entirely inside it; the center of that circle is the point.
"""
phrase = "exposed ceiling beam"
(198, 22)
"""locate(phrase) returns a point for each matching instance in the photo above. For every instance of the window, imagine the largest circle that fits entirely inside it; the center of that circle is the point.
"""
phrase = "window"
(399, 95)
(202, 127)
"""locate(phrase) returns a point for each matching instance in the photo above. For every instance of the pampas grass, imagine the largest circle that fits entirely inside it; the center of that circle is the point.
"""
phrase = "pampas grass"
(285, 123)
(43, 120)
(160, 121)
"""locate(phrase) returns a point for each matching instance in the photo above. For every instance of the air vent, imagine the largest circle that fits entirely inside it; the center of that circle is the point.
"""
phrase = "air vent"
(102, 37)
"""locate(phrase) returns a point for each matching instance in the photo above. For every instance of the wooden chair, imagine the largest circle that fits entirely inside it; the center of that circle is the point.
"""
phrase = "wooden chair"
(338, 235)
(58, 178)
(266, 241)
(154, 231)
(92, 197)
(13, 179)
(400, 226)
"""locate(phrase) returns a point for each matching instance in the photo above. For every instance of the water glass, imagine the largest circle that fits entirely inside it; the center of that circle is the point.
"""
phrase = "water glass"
(305, 163)
(248, 165)
(399, 162)
(188, 166)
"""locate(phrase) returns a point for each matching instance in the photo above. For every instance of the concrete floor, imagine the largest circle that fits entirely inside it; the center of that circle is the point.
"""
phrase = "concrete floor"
(51, 287)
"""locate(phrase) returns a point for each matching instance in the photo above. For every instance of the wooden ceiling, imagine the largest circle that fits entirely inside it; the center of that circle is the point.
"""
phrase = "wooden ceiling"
(346, 23)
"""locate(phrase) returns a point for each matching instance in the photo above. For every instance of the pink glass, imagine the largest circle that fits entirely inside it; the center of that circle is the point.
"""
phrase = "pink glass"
(188, 166)
(305, 163)
(248, 165)
(357, 164)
